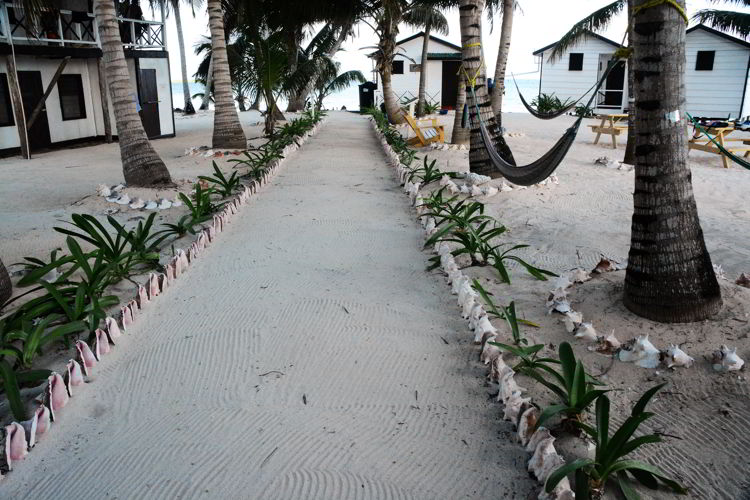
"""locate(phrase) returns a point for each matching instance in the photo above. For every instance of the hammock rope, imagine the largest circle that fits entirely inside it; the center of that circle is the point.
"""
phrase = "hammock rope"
(737, 159)
(543, 167)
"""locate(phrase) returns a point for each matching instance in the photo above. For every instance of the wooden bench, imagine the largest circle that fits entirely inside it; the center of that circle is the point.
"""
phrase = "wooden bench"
(720, 134)
(613, 128)
(425, 134)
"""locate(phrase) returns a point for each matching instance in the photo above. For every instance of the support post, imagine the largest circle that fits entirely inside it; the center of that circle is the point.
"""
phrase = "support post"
(105, 100)
(52, 83)
(17, 102)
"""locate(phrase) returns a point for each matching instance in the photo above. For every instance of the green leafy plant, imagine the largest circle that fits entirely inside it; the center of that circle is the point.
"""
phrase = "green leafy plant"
(11, 380)
(183, 226)
(507, 313)
(584, 111)
(610, 462)
(222, 185)
(428, 172)
(35, 337)
(549, 103)
(201, 204)
(431, 107)
(497, 257)
(573, 386)
(528, 357)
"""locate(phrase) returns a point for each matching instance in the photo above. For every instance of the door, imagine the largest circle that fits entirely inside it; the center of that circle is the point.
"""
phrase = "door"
(31, 93)
(611, 95)
(449, 88)
(149, 99)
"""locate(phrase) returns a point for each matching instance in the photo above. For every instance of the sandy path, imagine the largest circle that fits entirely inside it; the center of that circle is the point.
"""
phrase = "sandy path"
(300, 358)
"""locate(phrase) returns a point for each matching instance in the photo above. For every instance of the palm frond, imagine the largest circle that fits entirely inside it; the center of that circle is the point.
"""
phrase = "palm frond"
(742, 3)
(596, 21)
(343, 81)
(725, 20)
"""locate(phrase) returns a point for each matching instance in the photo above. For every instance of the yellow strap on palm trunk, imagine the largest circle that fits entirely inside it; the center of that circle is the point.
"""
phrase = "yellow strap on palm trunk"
(656, 3)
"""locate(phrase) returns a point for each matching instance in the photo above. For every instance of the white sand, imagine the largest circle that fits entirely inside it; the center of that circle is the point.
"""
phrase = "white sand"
(307, 355)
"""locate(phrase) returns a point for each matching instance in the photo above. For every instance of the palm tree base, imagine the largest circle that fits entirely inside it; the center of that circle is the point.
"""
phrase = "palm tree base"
(680, 309)
(189, 109)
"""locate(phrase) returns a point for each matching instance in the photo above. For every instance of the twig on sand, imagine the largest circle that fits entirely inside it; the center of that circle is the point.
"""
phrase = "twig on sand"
(611, 364)
(268, 457)
(446, 342)
(272, 371)
(80, 200)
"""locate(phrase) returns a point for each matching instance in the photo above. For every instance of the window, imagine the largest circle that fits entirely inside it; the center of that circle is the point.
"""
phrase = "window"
(398, 68)
(70, 88)
(705, 60)
(6, 111)
(575, 63)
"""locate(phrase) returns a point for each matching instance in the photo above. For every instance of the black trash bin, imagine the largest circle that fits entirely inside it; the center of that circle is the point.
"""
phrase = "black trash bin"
(367, 95)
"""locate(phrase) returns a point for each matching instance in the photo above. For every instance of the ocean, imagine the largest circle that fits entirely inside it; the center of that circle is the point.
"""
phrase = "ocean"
(350, 96)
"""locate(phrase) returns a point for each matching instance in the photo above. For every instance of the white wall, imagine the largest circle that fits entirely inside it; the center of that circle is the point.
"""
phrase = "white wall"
(716, 93)
(572, 84)
(59, 130)
(409, 81)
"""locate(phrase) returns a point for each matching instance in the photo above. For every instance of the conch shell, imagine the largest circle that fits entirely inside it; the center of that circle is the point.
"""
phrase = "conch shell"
(727, 360)
(743, 280)
(640, 351)
(483, 329)
(585, 331)
(678, 357)
(102, 344)
(56, 394)
(604, 266)
(16, 447)
(490, 351)
(73, 375)
(88, 360)
(153, 285)
(113, 330)
(579, 276)
(527, 424)
(572, 320)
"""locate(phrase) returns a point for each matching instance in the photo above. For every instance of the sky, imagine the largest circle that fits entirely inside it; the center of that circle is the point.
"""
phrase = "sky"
(536, 24)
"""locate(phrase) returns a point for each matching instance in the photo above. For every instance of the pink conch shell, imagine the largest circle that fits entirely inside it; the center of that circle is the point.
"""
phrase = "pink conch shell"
(153, 286)
(193, 252)
(57, 394)
(102, 344)
(183, 260)
(29, 427)
(43, 419)
(169, 271)
(218, 224)
(527, 424)
(142, 296)
(74, 375)
(16, 447)
(211, 232)
(163, 282)
(127, 317)
(175, 266)
(113, 329)
(88, 360)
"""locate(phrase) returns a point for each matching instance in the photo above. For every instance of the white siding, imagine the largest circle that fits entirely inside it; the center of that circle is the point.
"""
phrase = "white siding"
(566, 84)
(716, 93)
(408, 83)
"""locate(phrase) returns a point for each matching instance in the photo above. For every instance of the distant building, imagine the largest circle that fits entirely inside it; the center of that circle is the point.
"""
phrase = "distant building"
(443, 59)
(716, 73)
(73, 110)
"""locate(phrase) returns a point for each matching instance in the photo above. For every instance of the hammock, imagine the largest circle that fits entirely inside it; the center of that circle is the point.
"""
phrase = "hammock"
(542, 168)
(552, 114)
(737, 159)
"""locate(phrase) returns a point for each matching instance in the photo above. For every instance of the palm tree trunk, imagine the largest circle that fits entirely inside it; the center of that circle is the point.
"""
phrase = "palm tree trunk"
(188, 109)
(392, 109)
(502, 59)
(388, 26)
(460, 135)
(296, 101)
(209, 84)
(421, 100)
(669, 276)
(474, 73)
(6, 288)
(141, 166)
(228, 131)
(630, 144)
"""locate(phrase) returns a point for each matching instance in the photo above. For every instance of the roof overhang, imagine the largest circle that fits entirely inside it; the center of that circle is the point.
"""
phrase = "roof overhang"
(589, 34)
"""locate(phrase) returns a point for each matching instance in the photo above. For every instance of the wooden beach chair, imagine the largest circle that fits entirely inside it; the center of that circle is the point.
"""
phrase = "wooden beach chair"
(425, 134)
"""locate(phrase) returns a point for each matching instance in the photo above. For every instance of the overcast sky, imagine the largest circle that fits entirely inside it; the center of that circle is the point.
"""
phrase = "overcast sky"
(536, 24)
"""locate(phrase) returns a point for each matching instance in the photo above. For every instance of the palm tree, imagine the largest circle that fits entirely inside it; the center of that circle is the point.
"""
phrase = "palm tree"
(6, 288)
(189, 109)
(726, 20)
(473, 72)
(141, 166)
(431, 19)
(208, 85)
(669, 276)
(502, 59)
(460, 134)
(330, 81)
(228, 131)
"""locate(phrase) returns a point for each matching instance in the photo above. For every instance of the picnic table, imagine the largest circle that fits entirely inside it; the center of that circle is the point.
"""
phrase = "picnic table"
(702, 143)
(610, 125)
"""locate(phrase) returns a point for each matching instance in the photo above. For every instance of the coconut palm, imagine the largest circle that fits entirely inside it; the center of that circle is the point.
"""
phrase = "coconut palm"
(208, 85)
(228, 131)
(330, 81)
(727, 20)
(502, 58)
(474, 76)
(669, 276)
(431, 19)
(141, 166)
(6, 288)
(175, 5)
(460, 134)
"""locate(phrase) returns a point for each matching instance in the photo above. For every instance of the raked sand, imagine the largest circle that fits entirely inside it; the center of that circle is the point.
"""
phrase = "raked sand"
(308, 355)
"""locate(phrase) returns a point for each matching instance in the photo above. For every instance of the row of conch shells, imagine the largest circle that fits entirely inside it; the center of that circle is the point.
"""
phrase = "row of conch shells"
(449, 147)
(115, 194)
(517, 409)
(21, 437)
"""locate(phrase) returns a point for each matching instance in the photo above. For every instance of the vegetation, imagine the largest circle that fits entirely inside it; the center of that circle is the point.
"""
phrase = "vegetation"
(549, 103)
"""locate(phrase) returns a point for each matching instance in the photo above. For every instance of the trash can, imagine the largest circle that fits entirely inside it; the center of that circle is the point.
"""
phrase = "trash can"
(367, 95)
